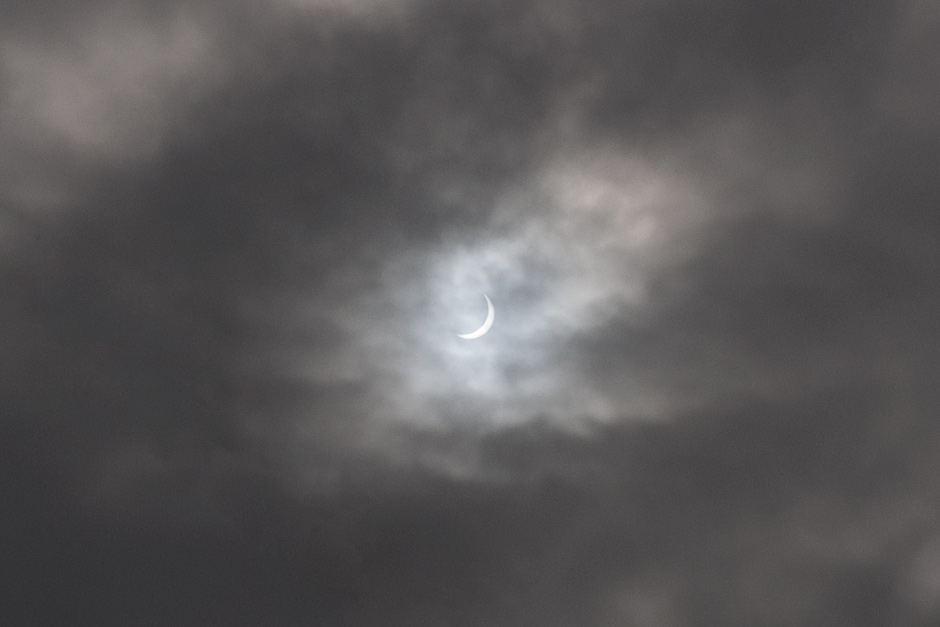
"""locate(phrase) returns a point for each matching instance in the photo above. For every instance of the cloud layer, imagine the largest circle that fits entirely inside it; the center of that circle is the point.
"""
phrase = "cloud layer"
(237, 243)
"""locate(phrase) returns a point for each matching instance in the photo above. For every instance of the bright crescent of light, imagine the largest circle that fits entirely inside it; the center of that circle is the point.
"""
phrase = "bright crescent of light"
(490, 315)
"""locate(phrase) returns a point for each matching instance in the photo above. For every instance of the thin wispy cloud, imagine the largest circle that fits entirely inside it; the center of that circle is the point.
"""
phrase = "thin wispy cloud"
(237, 244)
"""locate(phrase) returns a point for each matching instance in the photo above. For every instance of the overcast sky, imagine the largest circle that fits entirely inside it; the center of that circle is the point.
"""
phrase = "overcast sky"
(237, 242)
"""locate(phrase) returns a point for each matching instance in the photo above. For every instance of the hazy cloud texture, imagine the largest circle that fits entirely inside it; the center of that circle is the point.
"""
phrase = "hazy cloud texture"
(237, 241)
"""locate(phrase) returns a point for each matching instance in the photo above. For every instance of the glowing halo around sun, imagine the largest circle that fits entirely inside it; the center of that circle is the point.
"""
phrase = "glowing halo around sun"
(490, 316)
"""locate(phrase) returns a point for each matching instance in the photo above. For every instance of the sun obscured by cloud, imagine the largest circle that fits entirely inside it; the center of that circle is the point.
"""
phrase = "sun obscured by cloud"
(238, 242)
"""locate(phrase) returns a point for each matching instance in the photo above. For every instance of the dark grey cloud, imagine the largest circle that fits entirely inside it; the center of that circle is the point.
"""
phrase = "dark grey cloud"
(236, 244)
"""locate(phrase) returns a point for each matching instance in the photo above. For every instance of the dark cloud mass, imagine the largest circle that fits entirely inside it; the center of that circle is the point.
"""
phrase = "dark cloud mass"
(236, 243)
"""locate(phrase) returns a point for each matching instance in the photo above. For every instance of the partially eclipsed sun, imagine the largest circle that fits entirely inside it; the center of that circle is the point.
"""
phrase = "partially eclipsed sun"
(490, 315)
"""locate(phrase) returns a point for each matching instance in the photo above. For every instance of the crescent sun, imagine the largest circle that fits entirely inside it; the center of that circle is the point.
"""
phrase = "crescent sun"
(490, 315)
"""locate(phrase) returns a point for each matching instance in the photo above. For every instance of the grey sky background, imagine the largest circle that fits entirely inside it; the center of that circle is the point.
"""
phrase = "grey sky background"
(237, 241)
